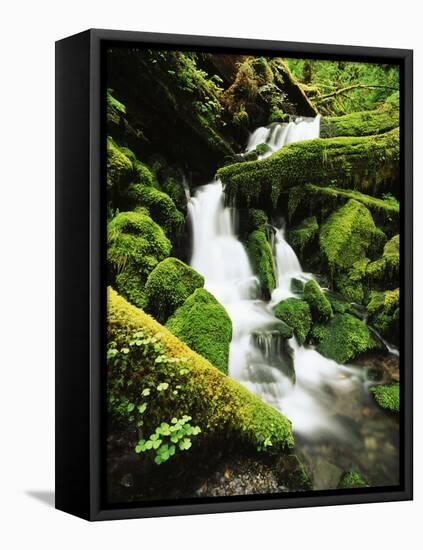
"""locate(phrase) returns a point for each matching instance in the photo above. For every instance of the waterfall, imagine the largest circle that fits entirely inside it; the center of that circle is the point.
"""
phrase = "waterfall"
(327, 403)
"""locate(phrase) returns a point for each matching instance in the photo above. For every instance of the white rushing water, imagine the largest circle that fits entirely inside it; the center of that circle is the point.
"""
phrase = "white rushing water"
(259, 357)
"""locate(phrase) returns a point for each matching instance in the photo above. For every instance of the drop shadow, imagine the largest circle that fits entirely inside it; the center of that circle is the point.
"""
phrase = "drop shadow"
(46, 497)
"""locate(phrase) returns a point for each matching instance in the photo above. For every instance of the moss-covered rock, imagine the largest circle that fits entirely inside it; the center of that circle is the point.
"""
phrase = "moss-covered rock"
(363, 123)
(386, 269)
(161, 207)
(158, 374)
(344, 338)
(299, 237)
(352, 284)
(296, 314)
(261, 257)
(136, 244)
(320, 307)
(204, 325)
(387, 396)
(257, 219)
(360, 163)
(119, 167)
(348, 234)
(168, 286)
(352, 480)
(384, 312)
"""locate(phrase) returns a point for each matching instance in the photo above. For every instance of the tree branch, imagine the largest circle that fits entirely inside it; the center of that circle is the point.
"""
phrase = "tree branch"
(348, 89)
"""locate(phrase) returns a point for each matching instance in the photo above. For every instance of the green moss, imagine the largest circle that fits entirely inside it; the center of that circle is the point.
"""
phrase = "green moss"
(277, 115)
(257, 219)
(119, 167)
(135, 246)
(263, 148)
(161, 207)
(348, 162)
(168, 286)
(144, 175)
(352, 283)
(321, 197)
(344, 338)
(303, 234)
(261, 258)
(363, 123)
(219, 405)
(348, 234)
(320, 307)
(115, 109)
(386, 268)
(352, 480)
(384, 312)
(174, 188)
(296, 314)
(387, 396)
(203, 324)
(338, 303)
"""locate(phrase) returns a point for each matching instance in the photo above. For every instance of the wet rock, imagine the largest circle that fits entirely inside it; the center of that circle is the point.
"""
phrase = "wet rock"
(326, 475)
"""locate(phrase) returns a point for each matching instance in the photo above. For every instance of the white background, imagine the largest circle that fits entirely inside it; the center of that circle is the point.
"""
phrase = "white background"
(28, 32)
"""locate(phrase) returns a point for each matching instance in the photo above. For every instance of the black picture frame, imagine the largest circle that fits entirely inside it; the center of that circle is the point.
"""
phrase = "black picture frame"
(80, 275)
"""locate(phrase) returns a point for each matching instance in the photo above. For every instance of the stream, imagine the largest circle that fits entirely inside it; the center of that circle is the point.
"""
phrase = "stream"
(337, 425)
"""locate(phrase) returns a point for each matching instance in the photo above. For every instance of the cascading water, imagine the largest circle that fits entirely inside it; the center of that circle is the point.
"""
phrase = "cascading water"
(311, 395)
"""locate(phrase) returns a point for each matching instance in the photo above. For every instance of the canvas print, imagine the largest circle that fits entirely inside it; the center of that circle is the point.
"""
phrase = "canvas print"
(253, 254)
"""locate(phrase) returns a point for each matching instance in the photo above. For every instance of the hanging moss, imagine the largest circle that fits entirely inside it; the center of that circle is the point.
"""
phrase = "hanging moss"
(344, 338)
(168, 286)
(257, 219)
(352, 480)
(386, 269)
(303, 234)
(119, 167)
(218, 404)
(348, 235)
(161, 207)
(261, 258)
(135, 246)
(384, 312)
(296, 314)
(363, 123)
(387, 396)
(320, 307)
(203, 324)
(360, 163)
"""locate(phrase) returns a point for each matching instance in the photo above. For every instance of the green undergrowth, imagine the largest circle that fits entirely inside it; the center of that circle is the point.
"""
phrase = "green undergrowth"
(161, 379)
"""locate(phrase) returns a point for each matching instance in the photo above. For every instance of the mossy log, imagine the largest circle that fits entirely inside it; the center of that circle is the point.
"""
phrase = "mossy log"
(217, 404)
(361, 163)
(363, 123)
(204, 325)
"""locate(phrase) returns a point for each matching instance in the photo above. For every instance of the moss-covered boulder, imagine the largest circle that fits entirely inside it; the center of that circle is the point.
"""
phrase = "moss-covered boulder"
(161, 207)
(119, 167)
(320, 307)
(348, 235)
(352, 480)
(362, 123)
(296, 314)
(387, 396)
(168, 286)
(360, 163)
(154, 379)
(204, 325)
(352, 284)
(344, 338)
(261, 258)
(384, 312)
(385, 270)
(136, 244)
(303, 234)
